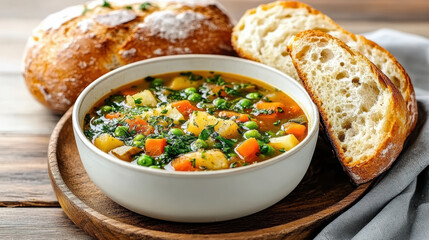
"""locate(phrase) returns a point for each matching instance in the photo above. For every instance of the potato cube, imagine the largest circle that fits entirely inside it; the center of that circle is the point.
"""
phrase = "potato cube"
(199, 120)
(106, 142)
(144, 98)
(227, 128)
(285, 142)
(209, 160)
(183, 82)
(172, 113)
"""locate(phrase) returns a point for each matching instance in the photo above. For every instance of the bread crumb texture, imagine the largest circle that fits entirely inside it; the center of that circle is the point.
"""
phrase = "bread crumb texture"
(263, 33)
(347, 92)
(359, 106)
(75, 46)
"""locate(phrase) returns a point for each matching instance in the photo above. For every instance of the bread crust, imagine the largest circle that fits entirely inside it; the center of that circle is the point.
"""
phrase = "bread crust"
(60, 61)
(388, 150)
(407, 89)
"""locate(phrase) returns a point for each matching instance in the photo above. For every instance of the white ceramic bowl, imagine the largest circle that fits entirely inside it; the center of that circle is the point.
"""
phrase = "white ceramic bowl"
(195, 196)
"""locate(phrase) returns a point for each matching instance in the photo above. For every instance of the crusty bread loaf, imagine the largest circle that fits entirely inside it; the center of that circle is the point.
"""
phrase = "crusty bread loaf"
(73, 47)
(263, 33)
(362, 111)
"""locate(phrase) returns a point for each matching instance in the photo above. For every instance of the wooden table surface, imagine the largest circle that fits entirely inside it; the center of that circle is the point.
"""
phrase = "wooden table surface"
(28, 206)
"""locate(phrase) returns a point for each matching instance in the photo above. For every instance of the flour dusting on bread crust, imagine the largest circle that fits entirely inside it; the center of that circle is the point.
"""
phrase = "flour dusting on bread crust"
(115, 18)
(172, 26)
(73, 47)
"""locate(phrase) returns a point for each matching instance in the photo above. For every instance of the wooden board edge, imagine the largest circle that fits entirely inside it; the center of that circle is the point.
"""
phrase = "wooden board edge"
(100, 226)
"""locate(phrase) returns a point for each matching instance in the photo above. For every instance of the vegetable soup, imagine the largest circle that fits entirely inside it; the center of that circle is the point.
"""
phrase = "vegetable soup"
(196, 121)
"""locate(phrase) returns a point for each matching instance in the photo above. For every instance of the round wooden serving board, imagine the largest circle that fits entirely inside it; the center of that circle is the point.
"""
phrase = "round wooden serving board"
(324, 192)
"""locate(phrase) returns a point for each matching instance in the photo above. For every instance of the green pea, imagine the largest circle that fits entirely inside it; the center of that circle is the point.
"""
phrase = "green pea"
(138, 137)
(121, 131)
(254, 96)
(245, 103)
(198, 144)
(266, 149)
(154, 167)
(157, 82)
(220, 103)
(145, 160)
(176, 132)
(137, 143)
(252, 134)
(194, 97)
(190, 90)
(105, 109)
(250, 125)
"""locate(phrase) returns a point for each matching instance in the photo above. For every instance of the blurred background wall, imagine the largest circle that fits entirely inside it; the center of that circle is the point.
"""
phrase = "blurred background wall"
(19, 17)
(374, 10)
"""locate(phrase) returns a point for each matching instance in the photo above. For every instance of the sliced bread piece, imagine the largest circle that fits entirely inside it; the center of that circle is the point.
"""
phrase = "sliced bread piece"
(362, 111)
(263, 33)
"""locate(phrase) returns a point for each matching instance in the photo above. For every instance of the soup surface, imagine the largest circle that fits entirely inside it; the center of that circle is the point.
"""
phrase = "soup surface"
(195, 121)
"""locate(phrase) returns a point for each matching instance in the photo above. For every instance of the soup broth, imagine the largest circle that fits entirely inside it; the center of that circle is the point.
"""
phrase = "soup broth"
(195, 121)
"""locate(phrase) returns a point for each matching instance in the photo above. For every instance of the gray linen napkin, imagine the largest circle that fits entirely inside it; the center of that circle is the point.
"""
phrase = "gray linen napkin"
(397, 206)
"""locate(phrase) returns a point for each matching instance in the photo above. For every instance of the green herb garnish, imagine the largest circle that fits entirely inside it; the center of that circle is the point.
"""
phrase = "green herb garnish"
(193, 162)
(216, 79)
(192, 76)
(145, 6)
(138, 101)
(205, 134)
(106, 4)
(85, 10)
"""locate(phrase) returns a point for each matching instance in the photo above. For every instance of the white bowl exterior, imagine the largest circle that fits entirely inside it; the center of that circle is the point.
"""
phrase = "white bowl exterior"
(203, 196)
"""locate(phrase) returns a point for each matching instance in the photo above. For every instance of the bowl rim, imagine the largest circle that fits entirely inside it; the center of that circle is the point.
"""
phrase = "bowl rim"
(222, 172)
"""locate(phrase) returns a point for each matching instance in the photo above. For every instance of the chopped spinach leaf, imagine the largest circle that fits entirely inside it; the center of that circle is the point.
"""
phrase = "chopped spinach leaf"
(138, 101)
(193, 162)
(106, 4)
(191, 76)
(145, 6)
(205, 134)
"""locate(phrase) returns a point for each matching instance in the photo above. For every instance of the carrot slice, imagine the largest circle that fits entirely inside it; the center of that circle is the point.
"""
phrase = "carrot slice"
(155, 147)
(185, 107)
(183, 164)
(238, 116)
(248, 150)
(277, 109)
(129, 91)
(113, 115)
(140, 126)
(294, 128)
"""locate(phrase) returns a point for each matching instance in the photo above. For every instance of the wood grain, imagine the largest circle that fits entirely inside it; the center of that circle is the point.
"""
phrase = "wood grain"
(21, 114)
(37, 223)
(24, 179)
(324, 192)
